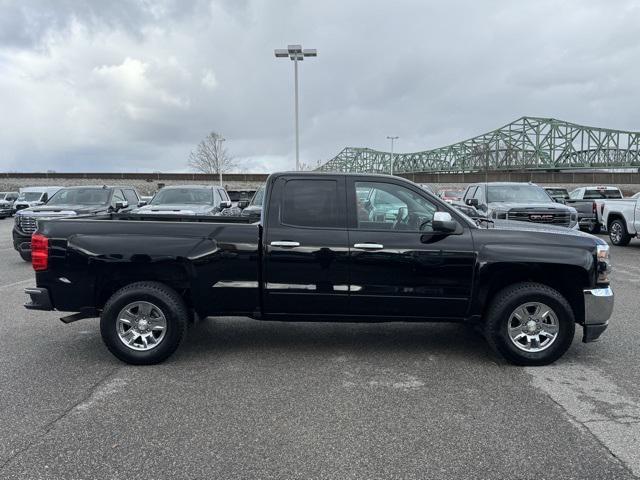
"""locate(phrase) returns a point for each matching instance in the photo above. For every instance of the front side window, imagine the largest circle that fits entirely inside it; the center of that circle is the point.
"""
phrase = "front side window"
(131, 197)
(117, 197)
(470, 191)
(387, 206)
(312, 203)
(258, 197)
(80, 196)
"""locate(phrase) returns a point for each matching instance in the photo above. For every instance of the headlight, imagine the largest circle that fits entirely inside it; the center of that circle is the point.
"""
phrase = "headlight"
(603, 265)
(499, 214)
(17, 220)
(574, 219)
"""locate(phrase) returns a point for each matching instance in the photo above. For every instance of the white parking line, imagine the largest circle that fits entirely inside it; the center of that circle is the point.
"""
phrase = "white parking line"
(594, 402)
(17, 283)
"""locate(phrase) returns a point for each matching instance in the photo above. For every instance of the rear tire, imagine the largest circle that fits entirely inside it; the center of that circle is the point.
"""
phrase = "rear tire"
(594, 229)
(618, 233)
(512, 314)
(144, 323)
(26, 256)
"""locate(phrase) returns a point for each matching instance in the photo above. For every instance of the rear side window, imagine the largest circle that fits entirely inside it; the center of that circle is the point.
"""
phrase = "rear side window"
(312, 203)
(131, 196)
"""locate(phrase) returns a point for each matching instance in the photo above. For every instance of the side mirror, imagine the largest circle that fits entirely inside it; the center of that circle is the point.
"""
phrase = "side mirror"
(472, 202)
(242, 204)
(141, 203)
(121, 205)
(225, 204)
(443, 222)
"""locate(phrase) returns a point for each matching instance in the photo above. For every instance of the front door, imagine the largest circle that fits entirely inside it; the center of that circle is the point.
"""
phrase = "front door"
(306, 247)
(400, 267)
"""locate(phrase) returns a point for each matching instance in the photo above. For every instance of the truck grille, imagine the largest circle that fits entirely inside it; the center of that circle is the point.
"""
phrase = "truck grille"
(553, 218)
(28, 224)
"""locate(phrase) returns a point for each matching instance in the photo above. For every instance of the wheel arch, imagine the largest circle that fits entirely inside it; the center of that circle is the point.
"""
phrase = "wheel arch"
(568, 280)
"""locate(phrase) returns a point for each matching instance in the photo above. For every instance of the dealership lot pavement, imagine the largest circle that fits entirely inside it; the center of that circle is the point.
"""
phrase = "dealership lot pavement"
(244, 399)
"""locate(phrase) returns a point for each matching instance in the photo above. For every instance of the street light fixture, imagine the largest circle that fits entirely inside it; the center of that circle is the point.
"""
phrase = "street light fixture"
(296, 53)
(391, 158)
(220, 139)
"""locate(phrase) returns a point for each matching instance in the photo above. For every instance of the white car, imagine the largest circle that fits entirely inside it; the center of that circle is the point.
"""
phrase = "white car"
(622, 219)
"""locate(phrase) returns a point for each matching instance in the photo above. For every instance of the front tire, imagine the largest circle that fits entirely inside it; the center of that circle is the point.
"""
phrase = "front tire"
(618, 233)
(530, 324)
(144, 323)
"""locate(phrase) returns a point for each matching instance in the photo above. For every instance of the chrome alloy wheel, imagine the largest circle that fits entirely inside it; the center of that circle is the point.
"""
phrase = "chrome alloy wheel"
(533, 327)
(141, 326)
(616, 232)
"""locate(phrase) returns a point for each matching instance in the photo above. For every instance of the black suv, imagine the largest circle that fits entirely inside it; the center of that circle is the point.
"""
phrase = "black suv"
(71, 202)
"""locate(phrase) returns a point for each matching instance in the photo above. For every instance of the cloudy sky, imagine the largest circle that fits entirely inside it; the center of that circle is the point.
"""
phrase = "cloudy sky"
(133, 85)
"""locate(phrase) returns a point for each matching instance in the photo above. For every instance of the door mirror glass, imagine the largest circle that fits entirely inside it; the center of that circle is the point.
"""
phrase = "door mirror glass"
(444, 223)
(242, 204)
(121, 205)
(225, 204)
(472, 202)
(142, 203)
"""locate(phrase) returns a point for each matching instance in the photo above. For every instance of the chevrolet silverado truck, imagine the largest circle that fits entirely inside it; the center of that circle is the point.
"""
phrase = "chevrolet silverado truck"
(323, 252)
(522, 202)
(622, 219)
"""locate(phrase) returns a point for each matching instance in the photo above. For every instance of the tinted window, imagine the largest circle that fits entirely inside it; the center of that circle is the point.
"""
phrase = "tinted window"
(182, 196)
(117, 197)
(131, 197)
(80, 196)
(470, 192)
(258, 197)
(389, 206)
(517, 194)
(312, 203)
(594, 194)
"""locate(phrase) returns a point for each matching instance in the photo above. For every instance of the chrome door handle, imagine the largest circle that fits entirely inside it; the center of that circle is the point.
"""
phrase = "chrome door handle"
(285, 244)
(369, 246)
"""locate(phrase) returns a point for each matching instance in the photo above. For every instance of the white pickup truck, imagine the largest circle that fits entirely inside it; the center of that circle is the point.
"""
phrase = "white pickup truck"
(622, 219)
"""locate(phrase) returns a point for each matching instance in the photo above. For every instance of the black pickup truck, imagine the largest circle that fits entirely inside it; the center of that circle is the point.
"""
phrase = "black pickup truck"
(329, 247)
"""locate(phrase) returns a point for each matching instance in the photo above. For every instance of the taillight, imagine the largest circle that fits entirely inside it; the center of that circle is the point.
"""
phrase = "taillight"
(39, 252)
(594, 208)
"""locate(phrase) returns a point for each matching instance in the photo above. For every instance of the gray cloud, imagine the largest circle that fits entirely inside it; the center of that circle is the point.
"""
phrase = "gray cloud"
(124, 85)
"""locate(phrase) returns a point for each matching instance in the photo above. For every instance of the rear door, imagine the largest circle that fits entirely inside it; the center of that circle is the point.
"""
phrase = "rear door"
(306, 249)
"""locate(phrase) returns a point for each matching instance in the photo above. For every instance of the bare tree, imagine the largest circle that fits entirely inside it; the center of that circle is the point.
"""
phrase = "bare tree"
(210, 156)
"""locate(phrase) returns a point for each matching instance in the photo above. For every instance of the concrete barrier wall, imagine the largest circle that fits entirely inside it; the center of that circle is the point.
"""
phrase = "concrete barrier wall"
(147, 183)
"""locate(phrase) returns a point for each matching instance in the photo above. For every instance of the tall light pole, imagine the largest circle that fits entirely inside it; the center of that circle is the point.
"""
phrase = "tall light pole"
(296, 54)
(220, 139)
(391, 159)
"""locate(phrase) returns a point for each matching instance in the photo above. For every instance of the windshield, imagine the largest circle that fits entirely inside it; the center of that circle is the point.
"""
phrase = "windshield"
(453, 193)
(258, 197)
(517, 194)
(30, 196)
(183, 196)
(80, 196)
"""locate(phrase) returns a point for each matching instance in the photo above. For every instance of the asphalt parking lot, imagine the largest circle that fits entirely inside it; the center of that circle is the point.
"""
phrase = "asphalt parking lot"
(244, 399)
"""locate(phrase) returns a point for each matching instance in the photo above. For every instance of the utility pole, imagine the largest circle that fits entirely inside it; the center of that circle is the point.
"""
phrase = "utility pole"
(391, 159)
(220, 139)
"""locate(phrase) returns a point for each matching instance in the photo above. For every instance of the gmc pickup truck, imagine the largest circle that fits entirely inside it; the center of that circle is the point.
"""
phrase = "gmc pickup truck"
(323, 251)
(622, 219)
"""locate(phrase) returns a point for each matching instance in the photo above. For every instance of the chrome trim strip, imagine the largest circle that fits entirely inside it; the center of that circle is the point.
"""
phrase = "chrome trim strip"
(235, 284)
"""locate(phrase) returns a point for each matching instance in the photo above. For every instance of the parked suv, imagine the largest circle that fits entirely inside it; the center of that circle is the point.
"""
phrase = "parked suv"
(525, 202)
(70, 202)
(34, 196)
(7, 199)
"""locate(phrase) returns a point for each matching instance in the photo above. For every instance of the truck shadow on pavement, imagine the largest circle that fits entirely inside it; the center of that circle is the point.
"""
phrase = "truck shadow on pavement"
(215, 336)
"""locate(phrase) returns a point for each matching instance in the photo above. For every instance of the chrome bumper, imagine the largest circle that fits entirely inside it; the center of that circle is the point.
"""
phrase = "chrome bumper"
(598, 306)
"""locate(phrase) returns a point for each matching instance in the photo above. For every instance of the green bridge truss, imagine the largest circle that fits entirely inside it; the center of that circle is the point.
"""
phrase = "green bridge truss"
(529, 143)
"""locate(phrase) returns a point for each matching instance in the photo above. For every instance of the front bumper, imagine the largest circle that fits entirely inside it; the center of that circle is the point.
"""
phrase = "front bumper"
(6, 212)
(21, 241)
(598, 306)
(40, 299)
